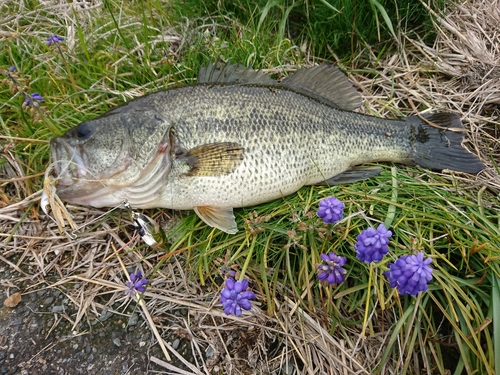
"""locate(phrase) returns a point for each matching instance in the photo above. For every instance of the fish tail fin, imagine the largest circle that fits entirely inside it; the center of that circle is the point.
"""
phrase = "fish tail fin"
(437, 143)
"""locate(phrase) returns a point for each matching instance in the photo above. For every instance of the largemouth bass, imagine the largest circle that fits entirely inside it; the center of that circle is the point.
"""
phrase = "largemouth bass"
(238, 138)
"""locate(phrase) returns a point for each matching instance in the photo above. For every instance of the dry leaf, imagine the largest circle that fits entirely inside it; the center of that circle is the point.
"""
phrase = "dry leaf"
(13, 300)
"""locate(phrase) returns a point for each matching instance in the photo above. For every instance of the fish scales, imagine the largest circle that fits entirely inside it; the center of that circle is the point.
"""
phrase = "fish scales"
(289, 140)
(239, 138)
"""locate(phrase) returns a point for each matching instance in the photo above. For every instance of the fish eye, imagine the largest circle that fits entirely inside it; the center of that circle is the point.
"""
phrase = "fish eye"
(84, 130)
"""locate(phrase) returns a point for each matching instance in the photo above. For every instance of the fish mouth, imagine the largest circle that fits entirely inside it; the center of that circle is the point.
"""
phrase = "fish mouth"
(68, 163)
(74, 182)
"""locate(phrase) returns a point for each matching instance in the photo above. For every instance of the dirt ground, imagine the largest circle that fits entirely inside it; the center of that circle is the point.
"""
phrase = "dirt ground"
(36, 338)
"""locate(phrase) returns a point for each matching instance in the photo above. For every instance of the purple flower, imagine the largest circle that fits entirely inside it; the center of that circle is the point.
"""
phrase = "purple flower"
(12, 68)
(30, 99)
(54, 39)
(330, 210)
(331, 269)
(371, 244)
(235, 297)
(137, 283)
(410, 274)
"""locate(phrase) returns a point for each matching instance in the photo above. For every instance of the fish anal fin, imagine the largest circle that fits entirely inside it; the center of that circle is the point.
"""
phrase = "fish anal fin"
(217, 217)
(214, 159)
(354, 174)
(326, 83)
(221, 72)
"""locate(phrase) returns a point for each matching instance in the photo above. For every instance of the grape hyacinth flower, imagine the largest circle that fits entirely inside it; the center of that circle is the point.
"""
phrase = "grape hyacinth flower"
(330, 210)
(410, 274)
(30, 99)
(331, 269)
(371, 244)
(137, 283)
(54, 39)
(235, 297)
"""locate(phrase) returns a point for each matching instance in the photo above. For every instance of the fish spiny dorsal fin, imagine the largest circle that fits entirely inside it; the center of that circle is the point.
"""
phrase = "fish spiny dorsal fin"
(327, 84)
(221, 72)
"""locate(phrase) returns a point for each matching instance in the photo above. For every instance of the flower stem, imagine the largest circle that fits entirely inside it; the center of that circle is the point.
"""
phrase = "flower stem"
(365, 318)
(68, 71)
(247, 260)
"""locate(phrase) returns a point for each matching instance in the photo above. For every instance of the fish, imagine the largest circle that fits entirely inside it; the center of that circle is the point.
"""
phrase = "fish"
(239, 138)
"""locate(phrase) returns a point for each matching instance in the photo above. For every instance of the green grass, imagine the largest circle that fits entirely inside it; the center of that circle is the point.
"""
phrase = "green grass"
(432, 215)
(342, 27)
(130, 50)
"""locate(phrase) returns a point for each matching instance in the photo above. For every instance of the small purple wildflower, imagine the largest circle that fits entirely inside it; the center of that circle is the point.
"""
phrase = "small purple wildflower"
(410, 274)
(235, 297)
(331, 269)
(137, 283)
(54, 39)
(30, 99)
(226, 271)
(371, 244)
(12, 68)
(330, 210)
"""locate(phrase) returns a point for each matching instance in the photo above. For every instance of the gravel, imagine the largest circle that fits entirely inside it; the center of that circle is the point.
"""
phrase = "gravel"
(36, 337)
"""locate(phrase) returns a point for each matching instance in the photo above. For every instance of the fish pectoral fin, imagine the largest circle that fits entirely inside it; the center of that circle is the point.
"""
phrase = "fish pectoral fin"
(214, 159)
(217, 217)
(326, 83)
(354, 174)
(222, 72)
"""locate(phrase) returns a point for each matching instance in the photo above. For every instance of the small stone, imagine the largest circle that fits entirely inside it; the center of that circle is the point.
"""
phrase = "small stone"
(210, 352)
(175, 344)
(48, 301)
(133, 320)
(31, 306)
(117, 342)
(106, 314)
(57, 309)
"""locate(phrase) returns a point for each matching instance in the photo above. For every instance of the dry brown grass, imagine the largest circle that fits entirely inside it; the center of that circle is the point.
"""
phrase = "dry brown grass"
(461, 73)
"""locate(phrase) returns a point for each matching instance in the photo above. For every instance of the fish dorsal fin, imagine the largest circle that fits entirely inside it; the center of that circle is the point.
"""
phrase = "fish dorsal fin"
(326, 83)
(214, 159)
(221, 72)
(217, 217)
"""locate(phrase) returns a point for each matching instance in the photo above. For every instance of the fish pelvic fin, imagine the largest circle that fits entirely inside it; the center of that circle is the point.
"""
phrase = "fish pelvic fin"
(436, 142)
(217, 217)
